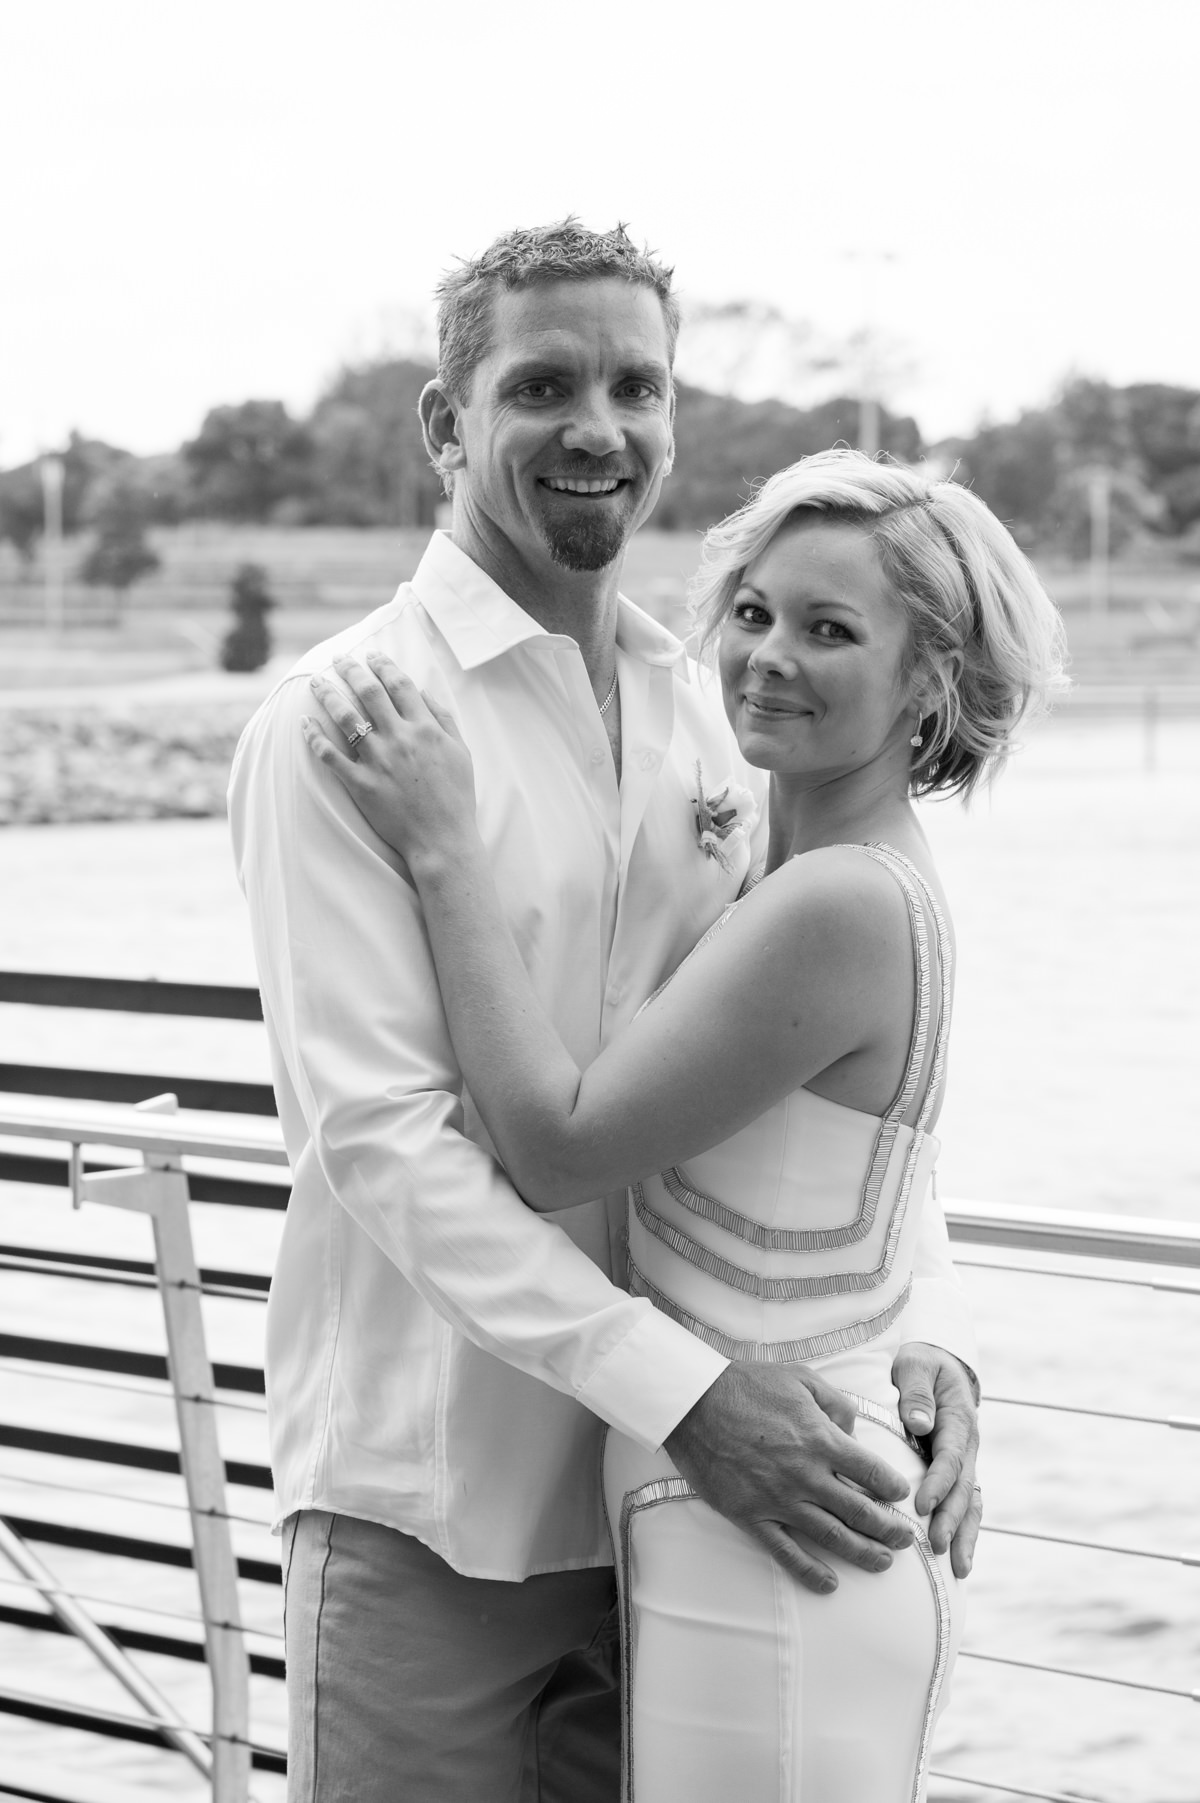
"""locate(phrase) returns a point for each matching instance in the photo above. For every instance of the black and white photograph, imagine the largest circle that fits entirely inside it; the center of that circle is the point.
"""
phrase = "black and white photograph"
(599, 886)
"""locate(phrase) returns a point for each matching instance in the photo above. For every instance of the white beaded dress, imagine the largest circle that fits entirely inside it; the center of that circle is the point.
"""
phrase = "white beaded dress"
(790, 1241)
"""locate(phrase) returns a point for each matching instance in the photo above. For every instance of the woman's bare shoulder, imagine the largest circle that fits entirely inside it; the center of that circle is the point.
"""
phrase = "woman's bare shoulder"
(836, 891)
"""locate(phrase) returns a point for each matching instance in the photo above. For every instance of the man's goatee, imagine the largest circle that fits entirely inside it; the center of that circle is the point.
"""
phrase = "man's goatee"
(585, 543)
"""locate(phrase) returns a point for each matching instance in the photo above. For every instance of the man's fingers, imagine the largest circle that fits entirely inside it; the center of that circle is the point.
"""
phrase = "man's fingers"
(954, 1444)
(867, 1470)
(962, 1547)
(946, 1519)
(914, 1376)
(832, 1536)
(800, 1565)
(863, 1516)
(831, 1401)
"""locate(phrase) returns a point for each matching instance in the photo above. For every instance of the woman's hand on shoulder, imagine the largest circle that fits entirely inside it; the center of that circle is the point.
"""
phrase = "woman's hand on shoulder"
(410, 773)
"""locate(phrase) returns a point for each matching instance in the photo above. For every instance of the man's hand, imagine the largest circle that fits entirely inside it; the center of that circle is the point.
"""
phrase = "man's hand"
(770, 1448)
(938, 1402)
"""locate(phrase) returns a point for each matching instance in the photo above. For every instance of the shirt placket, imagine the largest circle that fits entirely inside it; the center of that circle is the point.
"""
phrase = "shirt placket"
(600, 780)
(647, 714)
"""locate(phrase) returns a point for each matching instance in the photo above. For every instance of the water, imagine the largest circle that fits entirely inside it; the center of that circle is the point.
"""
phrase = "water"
(1075, 1064)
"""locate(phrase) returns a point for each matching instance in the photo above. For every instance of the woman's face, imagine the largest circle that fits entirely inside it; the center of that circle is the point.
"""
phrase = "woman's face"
(812, 653)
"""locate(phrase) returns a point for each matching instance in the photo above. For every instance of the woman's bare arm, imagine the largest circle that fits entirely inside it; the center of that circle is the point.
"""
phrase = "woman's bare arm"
(788, 987)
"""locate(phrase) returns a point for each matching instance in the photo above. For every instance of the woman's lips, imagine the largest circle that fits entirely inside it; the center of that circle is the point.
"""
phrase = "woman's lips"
(768, 707)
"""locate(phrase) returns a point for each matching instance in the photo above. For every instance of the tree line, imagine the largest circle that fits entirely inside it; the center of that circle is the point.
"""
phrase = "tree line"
(357, 459)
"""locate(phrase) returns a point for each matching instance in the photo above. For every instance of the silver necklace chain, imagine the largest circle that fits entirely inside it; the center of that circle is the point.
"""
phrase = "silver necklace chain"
(610, 697)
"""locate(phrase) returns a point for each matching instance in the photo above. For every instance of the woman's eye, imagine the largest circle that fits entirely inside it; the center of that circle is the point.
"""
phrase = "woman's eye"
(749, 613)
(833, 630)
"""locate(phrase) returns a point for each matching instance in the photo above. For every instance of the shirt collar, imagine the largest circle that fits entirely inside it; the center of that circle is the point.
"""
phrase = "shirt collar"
(480, 622)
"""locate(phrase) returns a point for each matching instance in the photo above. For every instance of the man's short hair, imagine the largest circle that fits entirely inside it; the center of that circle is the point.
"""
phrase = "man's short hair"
(563, 252)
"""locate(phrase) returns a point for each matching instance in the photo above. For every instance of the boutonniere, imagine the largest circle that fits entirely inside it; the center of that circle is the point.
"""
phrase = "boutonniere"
(722, 818)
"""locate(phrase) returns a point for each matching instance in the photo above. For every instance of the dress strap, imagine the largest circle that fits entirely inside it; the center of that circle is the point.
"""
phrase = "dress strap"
(919, 898)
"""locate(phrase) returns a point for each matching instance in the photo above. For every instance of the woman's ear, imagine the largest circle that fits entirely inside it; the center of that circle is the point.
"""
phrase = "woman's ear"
(439, 413)
(930, 685)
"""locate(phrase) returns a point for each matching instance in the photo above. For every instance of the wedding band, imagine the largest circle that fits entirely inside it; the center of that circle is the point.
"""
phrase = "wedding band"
(360, 732)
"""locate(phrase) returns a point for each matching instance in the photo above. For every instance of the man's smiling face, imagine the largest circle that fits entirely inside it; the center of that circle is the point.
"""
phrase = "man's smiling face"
(566, 432)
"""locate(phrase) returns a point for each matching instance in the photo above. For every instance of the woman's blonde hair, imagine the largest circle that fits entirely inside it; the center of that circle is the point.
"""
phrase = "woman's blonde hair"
(983, 633)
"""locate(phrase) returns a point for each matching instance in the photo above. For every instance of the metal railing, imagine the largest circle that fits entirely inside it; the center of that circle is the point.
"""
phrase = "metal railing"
(49, 1118)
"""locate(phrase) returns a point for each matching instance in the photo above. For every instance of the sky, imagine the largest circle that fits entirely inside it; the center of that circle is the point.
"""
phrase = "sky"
(204, 203)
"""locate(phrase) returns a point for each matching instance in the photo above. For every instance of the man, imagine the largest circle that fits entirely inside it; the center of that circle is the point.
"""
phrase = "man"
(441, 1360)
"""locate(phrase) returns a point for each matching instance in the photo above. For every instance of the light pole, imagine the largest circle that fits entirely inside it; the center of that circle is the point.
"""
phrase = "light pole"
(51, 468)
(1099, 510)
(870, 262)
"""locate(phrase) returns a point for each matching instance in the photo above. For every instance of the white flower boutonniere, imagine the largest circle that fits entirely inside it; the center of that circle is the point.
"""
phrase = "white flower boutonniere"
(722, 818)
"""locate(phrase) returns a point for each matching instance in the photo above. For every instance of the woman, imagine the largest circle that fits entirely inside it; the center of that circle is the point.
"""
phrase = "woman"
(878, 638)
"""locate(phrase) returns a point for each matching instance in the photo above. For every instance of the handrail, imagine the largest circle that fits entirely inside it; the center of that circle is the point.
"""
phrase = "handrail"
(1080, 1234)
(247, 1139)
(206, 1133)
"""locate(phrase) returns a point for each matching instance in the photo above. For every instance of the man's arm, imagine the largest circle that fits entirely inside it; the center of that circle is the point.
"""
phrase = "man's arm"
(934, 1372)
(353, 997)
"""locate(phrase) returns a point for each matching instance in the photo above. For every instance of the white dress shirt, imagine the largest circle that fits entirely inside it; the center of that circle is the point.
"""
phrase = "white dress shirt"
(440, 1358)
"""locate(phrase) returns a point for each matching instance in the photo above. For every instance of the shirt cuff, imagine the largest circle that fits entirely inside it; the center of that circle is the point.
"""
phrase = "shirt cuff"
(939, 1314)
(648, 1383)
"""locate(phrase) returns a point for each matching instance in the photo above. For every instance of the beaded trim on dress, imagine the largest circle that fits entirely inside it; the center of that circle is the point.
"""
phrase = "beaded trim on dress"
(782, 1289)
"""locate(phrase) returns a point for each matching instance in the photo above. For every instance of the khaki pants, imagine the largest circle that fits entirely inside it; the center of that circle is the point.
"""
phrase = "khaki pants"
(409, 1683)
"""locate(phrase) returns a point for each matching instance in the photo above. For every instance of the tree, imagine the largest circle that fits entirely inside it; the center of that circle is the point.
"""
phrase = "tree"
(120, 555)
(247, 460)
(370, 465)
(22, 509)
(1015, 468)
(247, 644)
(725, 446)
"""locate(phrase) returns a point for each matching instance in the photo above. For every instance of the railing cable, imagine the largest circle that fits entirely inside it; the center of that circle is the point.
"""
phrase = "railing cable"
(1065, 1671)
(149, 1502)
(124, 1602)
(160, 1393)
(135, 1723)
(134, 1280)
(1015, 1790)
(1185, 1422)
(1097, 1546)
(1171, 1287)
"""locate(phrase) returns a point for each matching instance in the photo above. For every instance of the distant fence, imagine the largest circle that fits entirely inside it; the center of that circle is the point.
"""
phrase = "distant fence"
(1149, 703)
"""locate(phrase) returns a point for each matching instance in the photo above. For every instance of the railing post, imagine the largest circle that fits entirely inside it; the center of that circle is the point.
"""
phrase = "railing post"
(159, 1189)
(1150, 731)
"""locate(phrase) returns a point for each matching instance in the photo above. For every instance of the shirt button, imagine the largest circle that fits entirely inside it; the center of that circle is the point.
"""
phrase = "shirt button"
(615, 992)
(598, 756)
(647, 760)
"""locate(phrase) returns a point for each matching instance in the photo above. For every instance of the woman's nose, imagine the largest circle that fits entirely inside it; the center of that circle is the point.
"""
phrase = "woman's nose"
(775, 656)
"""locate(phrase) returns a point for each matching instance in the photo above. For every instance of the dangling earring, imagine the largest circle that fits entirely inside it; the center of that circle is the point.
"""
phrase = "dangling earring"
(916, 738)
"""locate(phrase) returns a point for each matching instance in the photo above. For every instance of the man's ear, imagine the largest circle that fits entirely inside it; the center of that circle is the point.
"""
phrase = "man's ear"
(439, 423)
(669, 465)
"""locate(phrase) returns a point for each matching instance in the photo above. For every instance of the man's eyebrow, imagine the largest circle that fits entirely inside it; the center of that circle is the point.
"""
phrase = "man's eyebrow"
(529, 368)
